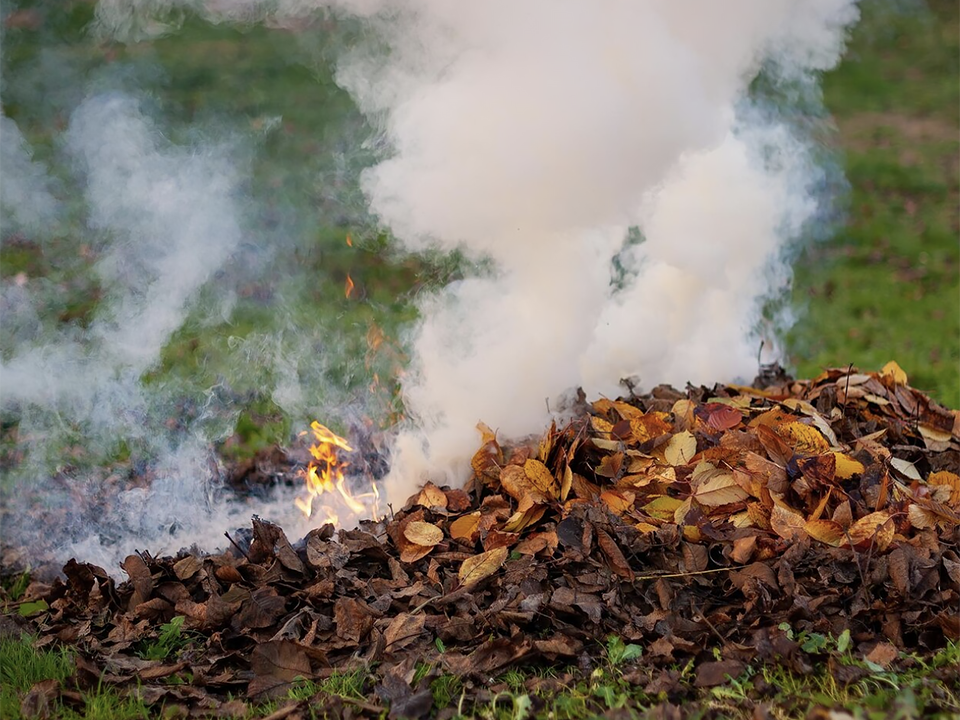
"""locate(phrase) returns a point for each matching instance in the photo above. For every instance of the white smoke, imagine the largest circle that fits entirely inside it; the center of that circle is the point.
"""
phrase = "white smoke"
(534, 135)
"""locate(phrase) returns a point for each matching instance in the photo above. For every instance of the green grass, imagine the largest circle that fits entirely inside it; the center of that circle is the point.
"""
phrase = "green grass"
(887, 286)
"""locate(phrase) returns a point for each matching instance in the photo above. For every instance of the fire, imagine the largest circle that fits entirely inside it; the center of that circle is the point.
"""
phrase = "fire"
(348, 287)
(325, 480)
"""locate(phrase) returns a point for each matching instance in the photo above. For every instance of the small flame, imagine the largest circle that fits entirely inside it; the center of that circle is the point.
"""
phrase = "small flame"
(325, 477)
(349, 240)
(348, 287)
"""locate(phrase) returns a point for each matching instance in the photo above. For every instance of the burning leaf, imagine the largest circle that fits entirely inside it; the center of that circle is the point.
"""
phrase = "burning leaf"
(476, 568)
(423, 533)
(681, 448)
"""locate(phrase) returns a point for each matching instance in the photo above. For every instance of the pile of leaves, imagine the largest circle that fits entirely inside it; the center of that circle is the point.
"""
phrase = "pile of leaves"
(680, 522)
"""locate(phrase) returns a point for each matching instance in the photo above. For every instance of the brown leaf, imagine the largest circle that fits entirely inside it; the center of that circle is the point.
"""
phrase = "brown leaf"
(517, 485)
(39, 702)
(353, 618)
(711, 674)
(403, 630)
(431, 496)
(275, 666)
(883, 654)
(718, 417)
(140, 579)
(786, 523)
(743, 549)
(718, 488)
(613, 553)
(478, 567)
(262, 609)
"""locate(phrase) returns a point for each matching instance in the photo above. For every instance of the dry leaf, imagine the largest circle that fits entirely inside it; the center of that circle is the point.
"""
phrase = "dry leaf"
(828, 532)
(803, 438)
(422, 533)
(893, 372)
(432, 496)
(681, 448)
(945, 478)
(719, 489)
(786, 523)
(847, 467)
(649, 426)
(466, 528)
(476, 568)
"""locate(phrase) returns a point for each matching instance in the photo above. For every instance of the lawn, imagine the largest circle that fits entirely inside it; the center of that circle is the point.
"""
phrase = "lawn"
(885, 284)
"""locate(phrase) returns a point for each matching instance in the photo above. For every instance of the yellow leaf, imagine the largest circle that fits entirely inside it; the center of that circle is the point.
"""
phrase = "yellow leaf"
(948, 479)
(567, 483)
(600, 425)
(803, 438)
(876, 528)
(662, 507)
(649, 426)
(542, 478)
(476, 568)
(521, 520)
(465, 528)
(618, 501)
(826, 531)
(847, 467)
(893, 371)
(681, 448)
(719, 489)
(422, 533)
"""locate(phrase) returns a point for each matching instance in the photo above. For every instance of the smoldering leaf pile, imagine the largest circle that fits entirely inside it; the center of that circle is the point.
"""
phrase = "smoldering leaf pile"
(678, 521)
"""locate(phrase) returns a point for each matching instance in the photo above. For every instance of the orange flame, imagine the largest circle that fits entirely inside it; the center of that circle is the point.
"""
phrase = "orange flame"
(325, 476)
(348, 287)
(349, 240)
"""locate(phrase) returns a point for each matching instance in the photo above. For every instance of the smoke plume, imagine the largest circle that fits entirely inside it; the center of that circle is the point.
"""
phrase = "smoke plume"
(625, 201)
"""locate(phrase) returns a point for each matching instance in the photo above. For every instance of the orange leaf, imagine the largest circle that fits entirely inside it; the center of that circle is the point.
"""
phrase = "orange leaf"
(465, 528)
(786, 523)
(826, 531)
(803, 438)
